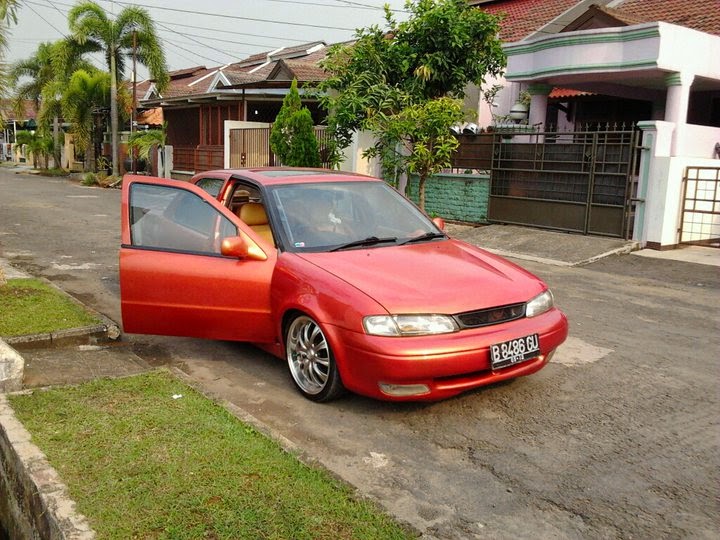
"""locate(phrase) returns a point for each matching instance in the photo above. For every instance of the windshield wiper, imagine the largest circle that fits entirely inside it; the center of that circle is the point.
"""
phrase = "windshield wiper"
(423, 237)
(369, 241)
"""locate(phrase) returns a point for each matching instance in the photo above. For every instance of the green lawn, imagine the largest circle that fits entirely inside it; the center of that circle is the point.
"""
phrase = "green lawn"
(30, 306)
(143, 464)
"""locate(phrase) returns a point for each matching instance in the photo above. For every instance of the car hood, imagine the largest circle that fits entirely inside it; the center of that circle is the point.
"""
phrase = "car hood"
(434, 277)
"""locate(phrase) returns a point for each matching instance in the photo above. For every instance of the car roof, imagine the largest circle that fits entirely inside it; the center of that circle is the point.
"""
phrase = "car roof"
(292, 175)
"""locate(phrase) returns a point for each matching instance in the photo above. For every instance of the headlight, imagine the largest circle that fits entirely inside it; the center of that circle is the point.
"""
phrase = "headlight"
(409, 325)
(540, 304)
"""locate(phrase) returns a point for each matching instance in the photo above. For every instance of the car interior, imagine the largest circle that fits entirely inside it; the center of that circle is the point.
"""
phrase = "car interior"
(246, 203)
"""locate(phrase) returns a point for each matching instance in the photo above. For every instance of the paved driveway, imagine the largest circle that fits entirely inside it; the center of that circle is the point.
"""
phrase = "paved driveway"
(617, 437)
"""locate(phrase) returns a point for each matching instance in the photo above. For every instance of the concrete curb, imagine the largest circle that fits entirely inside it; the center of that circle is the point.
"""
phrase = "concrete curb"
(567, 264)
(38, 505)
(12, 366)
(84, 335)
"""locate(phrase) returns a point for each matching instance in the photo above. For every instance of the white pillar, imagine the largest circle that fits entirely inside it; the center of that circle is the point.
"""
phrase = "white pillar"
(676, 102)
(538, 104)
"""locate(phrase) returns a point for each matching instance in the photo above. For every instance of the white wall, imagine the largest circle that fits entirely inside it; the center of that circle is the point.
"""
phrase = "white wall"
(354, 160)
(661, 173)
(697, 141)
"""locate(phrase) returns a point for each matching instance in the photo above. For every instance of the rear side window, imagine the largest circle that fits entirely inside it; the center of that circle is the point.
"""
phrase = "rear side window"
(174, 219)
(211, 185)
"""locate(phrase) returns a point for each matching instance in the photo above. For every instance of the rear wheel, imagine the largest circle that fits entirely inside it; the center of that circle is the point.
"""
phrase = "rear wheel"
(311, 361)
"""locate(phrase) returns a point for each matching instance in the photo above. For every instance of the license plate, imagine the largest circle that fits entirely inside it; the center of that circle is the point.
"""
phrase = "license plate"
(514, 351)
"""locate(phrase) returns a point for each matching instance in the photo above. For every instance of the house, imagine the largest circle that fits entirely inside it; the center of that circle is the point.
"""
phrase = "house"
(12, 122)
(606, 66)
(27, 119)
(199, 101)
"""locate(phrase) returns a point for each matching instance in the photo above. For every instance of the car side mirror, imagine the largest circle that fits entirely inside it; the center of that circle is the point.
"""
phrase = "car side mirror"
(439, 223)
(236, 246)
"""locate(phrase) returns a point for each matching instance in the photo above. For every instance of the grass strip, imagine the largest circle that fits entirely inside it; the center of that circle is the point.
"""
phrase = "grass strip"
(30, 306)
(142, 463)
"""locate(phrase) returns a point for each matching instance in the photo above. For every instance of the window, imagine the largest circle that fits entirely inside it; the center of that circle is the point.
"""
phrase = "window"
(211, 185)
(175, 219)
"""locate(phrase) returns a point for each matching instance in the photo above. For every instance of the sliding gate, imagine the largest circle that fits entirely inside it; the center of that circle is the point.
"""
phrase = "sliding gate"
(578, 181)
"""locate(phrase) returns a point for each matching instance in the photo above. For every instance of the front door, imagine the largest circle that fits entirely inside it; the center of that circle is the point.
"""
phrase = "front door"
(174, 279)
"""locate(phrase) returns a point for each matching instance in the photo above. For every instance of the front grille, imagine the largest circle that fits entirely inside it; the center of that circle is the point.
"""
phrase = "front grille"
(486, 317)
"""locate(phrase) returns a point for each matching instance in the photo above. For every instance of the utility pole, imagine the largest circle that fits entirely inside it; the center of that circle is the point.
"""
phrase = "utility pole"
(133, 113)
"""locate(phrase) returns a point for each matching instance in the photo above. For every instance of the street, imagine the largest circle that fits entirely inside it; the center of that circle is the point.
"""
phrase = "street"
(616, 438)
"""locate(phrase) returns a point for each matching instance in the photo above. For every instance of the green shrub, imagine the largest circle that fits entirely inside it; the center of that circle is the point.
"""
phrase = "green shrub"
(89, 179)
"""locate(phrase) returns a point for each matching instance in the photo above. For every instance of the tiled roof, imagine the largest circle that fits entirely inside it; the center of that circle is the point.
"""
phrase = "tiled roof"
(567, 93)
(8, 112)
(523, 17)
(153, 117)
(703, 16)
(306, 71)
(622, 16)
(257, 68)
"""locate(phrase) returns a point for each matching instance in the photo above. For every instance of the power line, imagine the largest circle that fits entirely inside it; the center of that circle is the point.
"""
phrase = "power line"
(218, 30)
(218, 62)
(265, 46)
(63, 34)
(237, 17)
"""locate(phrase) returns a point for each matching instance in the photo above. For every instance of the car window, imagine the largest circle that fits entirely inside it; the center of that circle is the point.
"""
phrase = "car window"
(175, 219)
(325, 215)
(211, 185)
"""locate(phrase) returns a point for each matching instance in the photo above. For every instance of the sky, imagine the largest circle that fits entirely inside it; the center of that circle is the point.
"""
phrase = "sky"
(211, 32)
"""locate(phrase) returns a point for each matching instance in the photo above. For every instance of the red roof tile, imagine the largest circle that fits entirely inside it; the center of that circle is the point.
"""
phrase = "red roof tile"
(523, 17)
(153, 117)
(8, 112)
(567, 93)
(703, 16)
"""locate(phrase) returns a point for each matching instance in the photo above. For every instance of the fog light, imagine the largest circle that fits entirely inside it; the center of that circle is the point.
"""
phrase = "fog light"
(404, 389)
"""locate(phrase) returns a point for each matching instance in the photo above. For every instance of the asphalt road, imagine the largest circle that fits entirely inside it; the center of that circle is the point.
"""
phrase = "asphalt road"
(616, 438)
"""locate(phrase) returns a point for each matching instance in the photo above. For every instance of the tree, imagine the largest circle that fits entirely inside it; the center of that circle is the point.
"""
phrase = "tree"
(8, 16)
(91, 27)
(38, 144)
(37, 74)
(146, 140)
(84, 95)
(390, 77)
(292, 138)
(423, 133)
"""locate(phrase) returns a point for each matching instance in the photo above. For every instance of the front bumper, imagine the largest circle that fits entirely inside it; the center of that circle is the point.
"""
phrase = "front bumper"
(446, 364)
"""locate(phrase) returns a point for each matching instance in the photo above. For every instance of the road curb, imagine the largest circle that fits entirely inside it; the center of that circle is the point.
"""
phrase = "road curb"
(12, 367)
(39, 503)
(105, 330)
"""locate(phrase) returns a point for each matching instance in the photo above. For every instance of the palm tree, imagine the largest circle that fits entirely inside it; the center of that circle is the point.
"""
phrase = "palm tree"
(90, 26)
(7, 17)
(85, 93)
(36, 72)
(146, 140)
(38, 144)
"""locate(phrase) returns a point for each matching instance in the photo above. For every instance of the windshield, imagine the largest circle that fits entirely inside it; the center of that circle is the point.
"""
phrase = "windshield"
(347, 215)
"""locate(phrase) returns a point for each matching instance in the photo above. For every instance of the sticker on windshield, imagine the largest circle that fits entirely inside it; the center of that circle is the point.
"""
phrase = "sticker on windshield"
(299, 244)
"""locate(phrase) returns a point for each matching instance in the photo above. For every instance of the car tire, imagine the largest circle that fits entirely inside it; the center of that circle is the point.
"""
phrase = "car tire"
(311, 361)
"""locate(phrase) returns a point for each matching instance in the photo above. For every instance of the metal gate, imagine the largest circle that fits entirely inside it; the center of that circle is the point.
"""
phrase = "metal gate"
(580, 181)
(250, 147)
(700, 221)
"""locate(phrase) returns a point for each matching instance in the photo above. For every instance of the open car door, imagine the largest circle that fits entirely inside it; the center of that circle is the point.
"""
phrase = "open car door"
(189, 267)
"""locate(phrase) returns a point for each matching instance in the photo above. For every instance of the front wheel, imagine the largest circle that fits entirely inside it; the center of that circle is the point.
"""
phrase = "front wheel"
(311, 361)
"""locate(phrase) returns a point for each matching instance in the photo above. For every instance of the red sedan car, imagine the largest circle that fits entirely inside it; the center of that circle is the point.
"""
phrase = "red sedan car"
(336, 273)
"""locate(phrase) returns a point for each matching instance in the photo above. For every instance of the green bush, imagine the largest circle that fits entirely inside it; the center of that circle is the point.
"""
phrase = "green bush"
(89, 179)
(292, 138)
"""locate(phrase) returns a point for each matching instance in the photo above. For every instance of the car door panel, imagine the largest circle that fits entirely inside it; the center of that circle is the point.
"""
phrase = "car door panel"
(173, 280)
